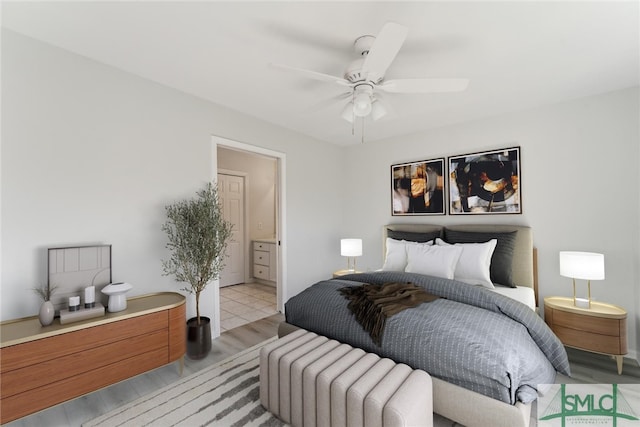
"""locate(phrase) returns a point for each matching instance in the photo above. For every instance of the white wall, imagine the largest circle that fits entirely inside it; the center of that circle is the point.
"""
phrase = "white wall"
(93, 154)
(579, 187)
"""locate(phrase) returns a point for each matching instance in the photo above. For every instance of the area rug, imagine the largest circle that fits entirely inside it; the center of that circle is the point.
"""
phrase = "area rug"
(224, 394)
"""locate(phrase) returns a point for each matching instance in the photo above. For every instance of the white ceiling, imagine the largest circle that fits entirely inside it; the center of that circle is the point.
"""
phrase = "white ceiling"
(517, 54)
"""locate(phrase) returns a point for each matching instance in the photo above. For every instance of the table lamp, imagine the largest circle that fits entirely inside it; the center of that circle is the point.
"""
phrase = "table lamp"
(351, 248)
(582, 265)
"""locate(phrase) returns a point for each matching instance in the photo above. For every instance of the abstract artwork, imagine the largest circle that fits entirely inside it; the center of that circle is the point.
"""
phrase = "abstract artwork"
(485, 183)
(418, 188)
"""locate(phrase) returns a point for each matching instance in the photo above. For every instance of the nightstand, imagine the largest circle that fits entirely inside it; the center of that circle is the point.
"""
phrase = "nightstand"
(599, 329)
(343, 272)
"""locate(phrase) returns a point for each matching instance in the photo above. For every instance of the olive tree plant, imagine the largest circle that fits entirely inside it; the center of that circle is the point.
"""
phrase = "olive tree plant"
(197, 236)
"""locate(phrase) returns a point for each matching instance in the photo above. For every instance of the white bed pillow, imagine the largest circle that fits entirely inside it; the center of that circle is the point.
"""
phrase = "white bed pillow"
(474, 265)
(439, 261)
(396, 257)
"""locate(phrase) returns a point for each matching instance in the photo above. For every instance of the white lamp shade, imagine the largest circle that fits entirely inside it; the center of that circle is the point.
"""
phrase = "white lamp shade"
(351, 247)
(582, 265)
(362, 104)
(377, 110)
(347, 112)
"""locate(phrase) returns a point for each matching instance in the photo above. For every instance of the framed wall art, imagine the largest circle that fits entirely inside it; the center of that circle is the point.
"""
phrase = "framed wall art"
(71, 269)
(485, 183)
(418, 188)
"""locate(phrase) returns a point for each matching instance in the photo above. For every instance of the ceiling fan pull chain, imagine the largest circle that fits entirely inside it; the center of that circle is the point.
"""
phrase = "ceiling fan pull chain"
(353, 116)
(362, 132)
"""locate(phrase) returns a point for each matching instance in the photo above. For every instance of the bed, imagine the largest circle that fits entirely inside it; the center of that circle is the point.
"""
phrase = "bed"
(497, 368)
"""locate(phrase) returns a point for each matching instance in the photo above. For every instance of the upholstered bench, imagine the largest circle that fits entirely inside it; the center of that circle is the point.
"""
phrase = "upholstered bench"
(309, 380)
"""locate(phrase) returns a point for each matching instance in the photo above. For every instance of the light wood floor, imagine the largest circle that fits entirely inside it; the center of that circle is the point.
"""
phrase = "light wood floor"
(585, 367)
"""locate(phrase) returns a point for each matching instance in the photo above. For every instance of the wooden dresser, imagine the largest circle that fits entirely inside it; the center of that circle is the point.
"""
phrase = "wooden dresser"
(599, 329)
(43, 366)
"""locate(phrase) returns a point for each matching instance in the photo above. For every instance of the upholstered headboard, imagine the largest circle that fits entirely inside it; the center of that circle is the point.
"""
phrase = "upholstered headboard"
(524, 262)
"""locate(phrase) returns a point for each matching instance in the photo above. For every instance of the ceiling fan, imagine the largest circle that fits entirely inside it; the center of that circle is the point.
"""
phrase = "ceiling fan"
(364, 77)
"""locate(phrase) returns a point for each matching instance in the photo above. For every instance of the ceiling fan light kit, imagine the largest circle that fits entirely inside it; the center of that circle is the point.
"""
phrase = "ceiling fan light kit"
(362, 100)
(377, 110)
(365, 75)
(347, 112)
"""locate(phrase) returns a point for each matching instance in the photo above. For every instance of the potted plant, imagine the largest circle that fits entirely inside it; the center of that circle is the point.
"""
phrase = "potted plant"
(47, 311)
(198, 236)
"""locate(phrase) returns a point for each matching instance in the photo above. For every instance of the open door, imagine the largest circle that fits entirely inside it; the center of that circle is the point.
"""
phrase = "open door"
(231, 193)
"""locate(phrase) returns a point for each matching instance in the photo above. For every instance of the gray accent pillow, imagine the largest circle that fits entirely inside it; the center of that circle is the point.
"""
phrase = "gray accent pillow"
(411, 236)
(502, 259)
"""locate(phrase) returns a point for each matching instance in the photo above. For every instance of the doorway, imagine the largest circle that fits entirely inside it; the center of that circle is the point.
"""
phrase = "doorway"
(245, 298)
(254, 177)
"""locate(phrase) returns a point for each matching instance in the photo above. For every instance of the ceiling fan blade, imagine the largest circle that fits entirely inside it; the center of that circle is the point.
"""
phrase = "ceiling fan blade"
(314, 74)
(384, 50)
(330, 101)
(424, 85)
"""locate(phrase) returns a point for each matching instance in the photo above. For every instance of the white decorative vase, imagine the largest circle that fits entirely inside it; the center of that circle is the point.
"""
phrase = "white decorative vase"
(46, 313)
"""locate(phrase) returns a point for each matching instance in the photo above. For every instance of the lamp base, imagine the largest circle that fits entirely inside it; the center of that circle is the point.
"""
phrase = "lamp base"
(117, 302)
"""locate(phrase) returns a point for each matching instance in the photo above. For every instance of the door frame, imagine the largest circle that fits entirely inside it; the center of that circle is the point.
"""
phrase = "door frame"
(245, 217)
(281, 219)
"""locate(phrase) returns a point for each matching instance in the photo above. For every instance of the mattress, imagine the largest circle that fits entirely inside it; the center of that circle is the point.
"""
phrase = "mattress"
(521, 294)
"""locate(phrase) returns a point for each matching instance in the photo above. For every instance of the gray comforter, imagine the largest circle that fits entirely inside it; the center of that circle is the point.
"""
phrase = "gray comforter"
(472, 337)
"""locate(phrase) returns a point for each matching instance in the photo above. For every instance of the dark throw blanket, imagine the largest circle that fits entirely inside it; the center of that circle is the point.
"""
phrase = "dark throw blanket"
(373, 304)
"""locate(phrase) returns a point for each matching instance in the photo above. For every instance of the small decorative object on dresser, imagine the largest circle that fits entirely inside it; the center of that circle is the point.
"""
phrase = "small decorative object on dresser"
(117, 299)
(602, 328)
(47, 311)
(80, 313)
(74, 303)
(90, 296)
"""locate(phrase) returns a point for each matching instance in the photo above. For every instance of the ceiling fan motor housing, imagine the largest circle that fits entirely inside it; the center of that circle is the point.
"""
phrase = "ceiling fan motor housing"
(353, 72)
(363, 44)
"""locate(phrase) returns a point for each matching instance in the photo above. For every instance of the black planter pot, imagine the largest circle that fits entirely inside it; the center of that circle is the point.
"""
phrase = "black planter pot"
(198, 338)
